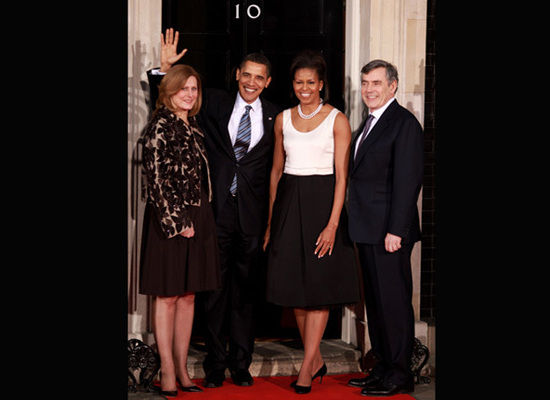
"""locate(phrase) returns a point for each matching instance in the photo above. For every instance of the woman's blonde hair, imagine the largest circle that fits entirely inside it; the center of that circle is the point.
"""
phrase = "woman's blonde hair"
(172, 83)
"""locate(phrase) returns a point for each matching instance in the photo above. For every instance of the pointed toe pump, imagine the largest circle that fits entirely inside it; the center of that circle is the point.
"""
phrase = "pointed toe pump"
(302, 389)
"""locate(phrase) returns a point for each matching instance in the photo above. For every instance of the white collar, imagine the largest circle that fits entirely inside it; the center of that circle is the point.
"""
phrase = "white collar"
(240, 103)
(378, 112)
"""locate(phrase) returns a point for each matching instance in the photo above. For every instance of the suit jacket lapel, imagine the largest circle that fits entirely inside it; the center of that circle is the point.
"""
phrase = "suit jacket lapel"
(268, 120)
(353, 143)
(224, 132)
(375, 133)
(357, 133)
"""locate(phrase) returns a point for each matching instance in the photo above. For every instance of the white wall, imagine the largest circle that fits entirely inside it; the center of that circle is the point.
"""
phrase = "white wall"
(144, 28)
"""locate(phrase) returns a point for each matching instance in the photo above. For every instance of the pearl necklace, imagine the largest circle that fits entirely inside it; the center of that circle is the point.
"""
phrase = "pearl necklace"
(313, 114)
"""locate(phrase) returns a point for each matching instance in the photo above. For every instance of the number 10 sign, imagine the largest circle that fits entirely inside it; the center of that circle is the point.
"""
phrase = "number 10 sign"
(253, 11)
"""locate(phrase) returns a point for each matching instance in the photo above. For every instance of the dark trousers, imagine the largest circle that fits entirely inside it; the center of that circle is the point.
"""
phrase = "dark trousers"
(387, 279)
(228, 311)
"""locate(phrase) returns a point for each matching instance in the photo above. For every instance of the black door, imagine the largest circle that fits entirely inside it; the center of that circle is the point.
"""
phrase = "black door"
(219, 34)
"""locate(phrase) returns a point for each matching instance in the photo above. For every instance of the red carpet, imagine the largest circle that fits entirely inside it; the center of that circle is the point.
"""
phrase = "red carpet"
(334, 387)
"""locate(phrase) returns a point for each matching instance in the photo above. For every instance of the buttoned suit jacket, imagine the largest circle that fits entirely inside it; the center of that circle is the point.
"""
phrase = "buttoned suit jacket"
(252, 170)
(385, 179)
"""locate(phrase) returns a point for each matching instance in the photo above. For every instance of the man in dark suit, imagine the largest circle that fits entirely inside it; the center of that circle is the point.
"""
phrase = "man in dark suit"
(386, 168)
(240, 199)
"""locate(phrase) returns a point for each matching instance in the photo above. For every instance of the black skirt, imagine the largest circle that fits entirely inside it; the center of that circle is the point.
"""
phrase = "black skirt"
(296, 277)
(172, 267)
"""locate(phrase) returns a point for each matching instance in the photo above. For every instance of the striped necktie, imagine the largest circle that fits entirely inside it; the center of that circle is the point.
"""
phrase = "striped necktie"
(241, 143)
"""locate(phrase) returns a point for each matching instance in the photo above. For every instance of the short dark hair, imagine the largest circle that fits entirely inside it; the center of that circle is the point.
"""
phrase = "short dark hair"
(391, 71)
(257, 58)
(312, 60)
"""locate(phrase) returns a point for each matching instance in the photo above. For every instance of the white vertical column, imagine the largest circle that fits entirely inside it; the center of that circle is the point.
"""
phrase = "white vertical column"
(356, 32)
(144, 27)
(357, 50)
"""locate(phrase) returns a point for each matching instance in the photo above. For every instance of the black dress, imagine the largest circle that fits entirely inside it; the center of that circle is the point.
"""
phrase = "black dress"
(172, 267)
(296, 277)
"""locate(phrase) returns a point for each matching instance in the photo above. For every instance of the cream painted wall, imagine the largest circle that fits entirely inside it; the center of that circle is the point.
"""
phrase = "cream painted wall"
(144, 26)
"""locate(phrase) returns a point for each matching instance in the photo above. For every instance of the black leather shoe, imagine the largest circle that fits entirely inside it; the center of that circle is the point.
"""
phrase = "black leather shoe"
(167, 393)
(302, 389)
(192, 388)
(214, 379)
(368, 381)
(389, 389)
(320, 373)
(242, 377)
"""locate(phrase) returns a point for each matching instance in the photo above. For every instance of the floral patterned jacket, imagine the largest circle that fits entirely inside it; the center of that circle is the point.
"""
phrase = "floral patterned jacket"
(172, 153)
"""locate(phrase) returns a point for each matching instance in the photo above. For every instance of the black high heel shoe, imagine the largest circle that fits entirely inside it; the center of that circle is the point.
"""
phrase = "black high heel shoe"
(169, 393)
(193, 388)
(302, 389)
(320, 373)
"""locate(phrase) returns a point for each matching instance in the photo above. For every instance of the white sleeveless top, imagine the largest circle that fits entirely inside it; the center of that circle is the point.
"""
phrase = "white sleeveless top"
(309, 153)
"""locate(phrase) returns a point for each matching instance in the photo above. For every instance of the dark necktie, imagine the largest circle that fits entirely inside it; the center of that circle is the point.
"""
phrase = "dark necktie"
(241, 142)
(365, 131)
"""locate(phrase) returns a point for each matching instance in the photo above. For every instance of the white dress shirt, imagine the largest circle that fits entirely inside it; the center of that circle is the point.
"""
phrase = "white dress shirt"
(376, 114)
(256, 120)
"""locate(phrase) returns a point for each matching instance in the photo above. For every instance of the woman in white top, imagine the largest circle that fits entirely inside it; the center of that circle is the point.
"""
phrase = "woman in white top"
(311, 262)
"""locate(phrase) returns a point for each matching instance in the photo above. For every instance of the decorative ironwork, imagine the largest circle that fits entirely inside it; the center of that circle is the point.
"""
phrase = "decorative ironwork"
(143, 358)
(419, 358)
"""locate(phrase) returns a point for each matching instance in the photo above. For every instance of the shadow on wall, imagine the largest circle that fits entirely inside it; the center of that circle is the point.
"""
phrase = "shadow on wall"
(138, 114)
(419, 90)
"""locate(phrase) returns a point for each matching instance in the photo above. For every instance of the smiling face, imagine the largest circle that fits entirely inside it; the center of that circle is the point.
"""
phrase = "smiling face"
(185, 98)
(306, 85)
(376, 90)
(252, 78)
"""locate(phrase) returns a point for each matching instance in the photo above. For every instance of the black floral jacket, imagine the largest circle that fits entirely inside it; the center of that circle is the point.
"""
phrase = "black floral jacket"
(172, 153)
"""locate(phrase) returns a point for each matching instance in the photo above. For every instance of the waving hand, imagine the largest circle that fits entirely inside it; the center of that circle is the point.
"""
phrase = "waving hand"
(169, 50)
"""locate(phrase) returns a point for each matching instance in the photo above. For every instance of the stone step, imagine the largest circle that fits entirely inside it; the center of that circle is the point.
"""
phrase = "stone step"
(284, 358)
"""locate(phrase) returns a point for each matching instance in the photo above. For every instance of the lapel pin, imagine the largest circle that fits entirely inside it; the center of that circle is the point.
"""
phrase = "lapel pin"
(270, 118)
